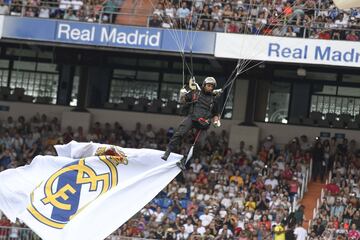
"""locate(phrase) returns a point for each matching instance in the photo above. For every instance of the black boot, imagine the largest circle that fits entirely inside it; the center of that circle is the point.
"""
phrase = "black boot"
(182, 163)
(166, 154)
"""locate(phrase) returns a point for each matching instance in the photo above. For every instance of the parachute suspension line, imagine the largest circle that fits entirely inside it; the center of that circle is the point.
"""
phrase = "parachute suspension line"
(246, 62)
(183, 72)
(230, 78)
(176, 39)
(228, 94)
(192, 33)
(242, 64)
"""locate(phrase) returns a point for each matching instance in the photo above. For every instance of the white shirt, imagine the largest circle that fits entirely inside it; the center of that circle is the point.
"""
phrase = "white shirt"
(64, 4)
(226, 202)
(4, 10)
(76, 4)
(206, 219)
(300, 233)
(196, 167)
(273, 182)
(44, 13)
(170, 12)
(228, 234)
(189, 228)
(159, 216)
(201, 230)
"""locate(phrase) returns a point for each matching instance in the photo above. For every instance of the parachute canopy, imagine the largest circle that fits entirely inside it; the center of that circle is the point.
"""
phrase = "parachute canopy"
(345, 4)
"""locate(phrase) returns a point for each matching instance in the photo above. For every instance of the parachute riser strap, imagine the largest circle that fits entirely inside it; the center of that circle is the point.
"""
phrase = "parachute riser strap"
(197, 135)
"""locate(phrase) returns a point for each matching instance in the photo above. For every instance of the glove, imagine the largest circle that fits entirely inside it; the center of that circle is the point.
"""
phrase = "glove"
(218, 92)
(217, 123)
(183, 92)
(193, 85)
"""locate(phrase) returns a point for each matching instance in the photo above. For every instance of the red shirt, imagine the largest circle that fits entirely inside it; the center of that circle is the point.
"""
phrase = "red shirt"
(332, 188)
(354, 235)
(233, 28)
(293, 187)
(325, 35)
(352, 37)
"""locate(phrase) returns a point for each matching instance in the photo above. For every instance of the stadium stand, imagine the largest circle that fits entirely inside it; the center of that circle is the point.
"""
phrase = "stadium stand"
(225, 194)
(337, 213)
(305, 19)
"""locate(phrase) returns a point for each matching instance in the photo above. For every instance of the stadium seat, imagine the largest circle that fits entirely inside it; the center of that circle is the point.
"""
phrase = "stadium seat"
(166, 202)
(294, 120)
(316, 117)
(27, 98)
(322, 123)
(357, 118)
(155, 106)
(345, 117)
(4, 92)
(141, 105)
(157, 201)
(338, 124)
(170, 107)
(184, 203)
(308, 121)
(43, 100)
(353, 125)
(110, 105)
(127, 104)
(332, 118)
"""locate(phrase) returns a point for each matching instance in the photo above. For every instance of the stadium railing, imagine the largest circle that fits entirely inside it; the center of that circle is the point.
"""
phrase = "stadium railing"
(282, 22)
(21, 233)
(303, 187)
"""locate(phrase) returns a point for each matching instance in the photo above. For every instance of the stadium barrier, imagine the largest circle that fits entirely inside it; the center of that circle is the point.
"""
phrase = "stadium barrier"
(17, 233)
(21, 233)
(283, 22)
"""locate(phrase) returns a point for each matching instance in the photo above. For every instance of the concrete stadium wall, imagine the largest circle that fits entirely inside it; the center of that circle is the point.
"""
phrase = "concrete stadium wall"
(28, 110)
(283, 133)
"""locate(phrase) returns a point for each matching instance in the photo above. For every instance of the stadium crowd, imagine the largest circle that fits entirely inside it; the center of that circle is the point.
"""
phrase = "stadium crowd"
(225, 193)
(338, 215)
(291, 18)
(300, 18)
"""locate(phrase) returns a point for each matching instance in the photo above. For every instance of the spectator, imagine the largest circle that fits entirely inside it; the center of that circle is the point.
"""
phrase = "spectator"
(110, 9)
(225, 233)
(352, 36)
(183, 11)
(6, 158)
(69, 15)
(155, 21)
(4, 9)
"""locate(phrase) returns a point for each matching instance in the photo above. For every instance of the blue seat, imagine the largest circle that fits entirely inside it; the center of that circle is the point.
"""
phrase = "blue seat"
(166, 202)
(157, 201)
(184, 203)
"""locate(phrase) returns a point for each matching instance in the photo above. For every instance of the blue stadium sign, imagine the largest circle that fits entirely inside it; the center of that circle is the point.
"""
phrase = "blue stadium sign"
(61, 31)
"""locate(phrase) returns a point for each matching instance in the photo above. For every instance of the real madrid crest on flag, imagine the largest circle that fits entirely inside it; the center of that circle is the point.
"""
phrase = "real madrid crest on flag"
(69, 190)
(86, 192)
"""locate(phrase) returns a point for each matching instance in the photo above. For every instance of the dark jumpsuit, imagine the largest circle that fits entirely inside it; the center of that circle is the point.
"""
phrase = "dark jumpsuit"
(200, 105)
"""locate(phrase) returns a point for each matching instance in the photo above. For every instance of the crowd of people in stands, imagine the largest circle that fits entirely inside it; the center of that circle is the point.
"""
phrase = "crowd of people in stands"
(338, 215)
(225, 193)
(292, 18)
(76, 10)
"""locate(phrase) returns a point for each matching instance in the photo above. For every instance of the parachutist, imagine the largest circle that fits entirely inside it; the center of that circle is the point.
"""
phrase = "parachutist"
(202, 109)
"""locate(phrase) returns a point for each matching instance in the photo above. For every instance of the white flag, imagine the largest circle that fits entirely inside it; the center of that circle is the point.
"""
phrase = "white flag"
(346, 4)
(86, 192)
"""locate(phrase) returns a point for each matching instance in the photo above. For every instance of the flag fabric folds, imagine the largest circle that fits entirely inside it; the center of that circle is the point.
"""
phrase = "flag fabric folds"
(86, 192)
(346, 4)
